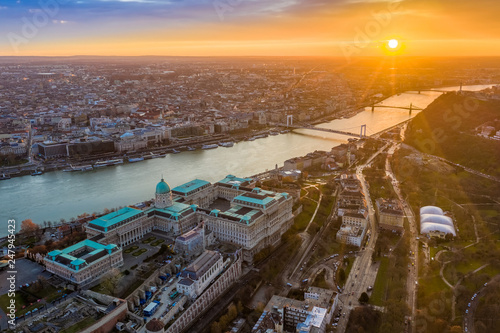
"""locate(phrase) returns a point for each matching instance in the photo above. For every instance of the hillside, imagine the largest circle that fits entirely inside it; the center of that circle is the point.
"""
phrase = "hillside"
(450, 128)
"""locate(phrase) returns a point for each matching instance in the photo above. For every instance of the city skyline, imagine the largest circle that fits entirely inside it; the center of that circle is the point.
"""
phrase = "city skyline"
(247, 28)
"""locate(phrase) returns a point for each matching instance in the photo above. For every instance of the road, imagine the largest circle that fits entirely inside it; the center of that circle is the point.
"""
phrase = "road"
(412, 280)
(472, 306)
(363, 274)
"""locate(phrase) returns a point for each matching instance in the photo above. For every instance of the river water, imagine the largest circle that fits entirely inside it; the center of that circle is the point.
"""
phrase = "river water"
(57, 195)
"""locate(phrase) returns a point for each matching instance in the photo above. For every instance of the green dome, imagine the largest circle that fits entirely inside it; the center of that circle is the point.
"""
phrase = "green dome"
(162, 187)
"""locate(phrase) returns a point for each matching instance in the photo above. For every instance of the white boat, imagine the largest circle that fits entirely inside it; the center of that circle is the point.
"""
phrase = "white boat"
(209, 146)
(4, 177)
(191, 148)
(100, 164)
(72, 168)
(226, 144)
(175, 151)
(135, 159)
(273, 133)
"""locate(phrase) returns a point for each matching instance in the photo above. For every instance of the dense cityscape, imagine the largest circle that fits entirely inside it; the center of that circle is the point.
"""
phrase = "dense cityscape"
(257, 166)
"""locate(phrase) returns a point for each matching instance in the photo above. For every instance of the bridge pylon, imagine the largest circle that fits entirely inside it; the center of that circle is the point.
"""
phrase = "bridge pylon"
(361, 135)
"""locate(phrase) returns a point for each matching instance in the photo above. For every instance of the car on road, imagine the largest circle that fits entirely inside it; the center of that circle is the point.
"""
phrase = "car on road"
(468, 305)
(467, 311)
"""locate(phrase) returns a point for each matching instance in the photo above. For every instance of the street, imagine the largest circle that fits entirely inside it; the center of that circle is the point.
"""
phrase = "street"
(362, 267)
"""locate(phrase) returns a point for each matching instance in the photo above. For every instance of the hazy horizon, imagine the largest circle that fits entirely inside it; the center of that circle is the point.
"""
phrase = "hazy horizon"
(248, 28)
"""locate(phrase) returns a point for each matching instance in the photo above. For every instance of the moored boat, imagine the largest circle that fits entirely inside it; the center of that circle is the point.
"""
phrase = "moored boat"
(226, 144)
(100, 164)
(135, 159)
(213, 146)
(72, 168)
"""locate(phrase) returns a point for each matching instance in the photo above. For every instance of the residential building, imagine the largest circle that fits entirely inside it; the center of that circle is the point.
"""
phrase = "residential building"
(390, 214)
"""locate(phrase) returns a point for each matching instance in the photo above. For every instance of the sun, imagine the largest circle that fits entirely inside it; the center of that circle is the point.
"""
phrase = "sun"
(393, 43)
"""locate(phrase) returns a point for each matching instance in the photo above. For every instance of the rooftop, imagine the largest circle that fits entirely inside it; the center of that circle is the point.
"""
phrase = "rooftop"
(85, 243)
(201, 265)
(116, 217)
(233, 180)
(177, 210)
(243, 214)
(190, 186)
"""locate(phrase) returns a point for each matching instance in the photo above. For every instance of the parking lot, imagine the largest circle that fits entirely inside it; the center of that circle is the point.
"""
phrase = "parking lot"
(28, 271)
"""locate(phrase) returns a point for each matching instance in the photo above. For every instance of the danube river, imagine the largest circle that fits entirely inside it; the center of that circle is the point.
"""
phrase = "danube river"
(57, 195)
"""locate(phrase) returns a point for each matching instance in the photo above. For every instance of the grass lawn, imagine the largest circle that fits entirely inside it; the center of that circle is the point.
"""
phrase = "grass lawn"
(131, 249)
(489, 213)
(56, 295)
(434, 250)
(139, 252)
(321, 220)
(451, 273)
(490, 270)
(313, 193)
(20, 302)
(378, 294)
(149, 240)
(348, 269)
(5, 301)
(433, 284)
(157, 242)
(80, 325)
(48, 292)
(303, 218)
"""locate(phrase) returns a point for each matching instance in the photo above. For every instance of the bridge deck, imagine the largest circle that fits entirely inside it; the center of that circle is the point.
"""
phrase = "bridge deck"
(323, 130)
(398, 107)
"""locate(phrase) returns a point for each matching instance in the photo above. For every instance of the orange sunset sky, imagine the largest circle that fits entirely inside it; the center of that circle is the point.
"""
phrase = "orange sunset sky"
(248, 27)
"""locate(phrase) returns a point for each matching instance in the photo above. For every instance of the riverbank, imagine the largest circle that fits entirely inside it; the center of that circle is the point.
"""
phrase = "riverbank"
(57, 195)
(38, 167)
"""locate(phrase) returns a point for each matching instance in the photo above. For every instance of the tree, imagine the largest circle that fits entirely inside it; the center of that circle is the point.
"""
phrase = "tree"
(39, 249)
(232, 312)
(240, 307)
(215, 328)
(110, 281)
(341, 274)
(364, 298)
(29, 228)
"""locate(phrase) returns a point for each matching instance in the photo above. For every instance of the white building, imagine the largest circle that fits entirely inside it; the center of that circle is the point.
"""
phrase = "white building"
(235, 213)
(353, 228)
(197, 276)
(434, 223)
